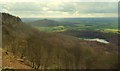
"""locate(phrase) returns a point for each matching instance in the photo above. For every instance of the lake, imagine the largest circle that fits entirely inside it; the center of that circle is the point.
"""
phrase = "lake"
(98, 40)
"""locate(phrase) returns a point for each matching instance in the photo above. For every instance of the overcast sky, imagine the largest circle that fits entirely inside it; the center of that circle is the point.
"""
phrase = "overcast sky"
(58, 9)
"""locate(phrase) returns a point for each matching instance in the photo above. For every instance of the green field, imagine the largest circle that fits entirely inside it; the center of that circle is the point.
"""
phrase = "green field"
(111, 31)
(78, 27)
(52, 29)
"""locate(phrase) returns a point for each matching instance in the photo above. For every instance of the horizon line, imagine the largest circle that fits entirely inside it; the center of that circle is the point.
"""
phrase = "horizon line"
(68, 17)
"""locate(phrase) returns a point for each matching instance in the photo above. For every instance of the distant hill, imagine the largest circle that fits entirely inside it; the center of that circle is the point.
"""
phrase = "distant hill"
(40, 50)
(45, 22)
(50, 23)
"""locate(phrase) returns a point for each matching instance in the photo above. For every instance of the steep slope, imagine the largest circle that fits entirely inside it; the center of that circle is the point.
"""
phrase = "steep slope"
(42, 50)
(11, 61)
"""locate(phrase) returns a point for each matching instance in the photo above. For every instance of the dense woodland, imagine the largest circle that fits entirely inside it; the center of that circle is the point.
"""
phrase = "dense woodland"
(41, 50)
(111, 37)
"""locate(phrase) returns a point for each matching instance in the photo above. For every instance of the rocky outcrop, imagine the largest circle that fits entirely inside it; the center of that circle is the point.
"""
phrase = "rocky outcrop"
(10, 20)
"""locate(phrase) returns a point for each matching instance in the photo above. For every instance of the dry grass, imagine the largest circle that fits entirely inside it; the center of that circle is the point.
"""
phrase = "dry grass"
(11, 61)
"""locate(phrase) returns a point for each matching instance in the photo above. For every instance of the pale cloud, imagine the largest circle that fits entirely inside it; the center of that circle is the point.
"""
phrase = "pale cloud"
(59, 0)
(45, 8)
(60, 9)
